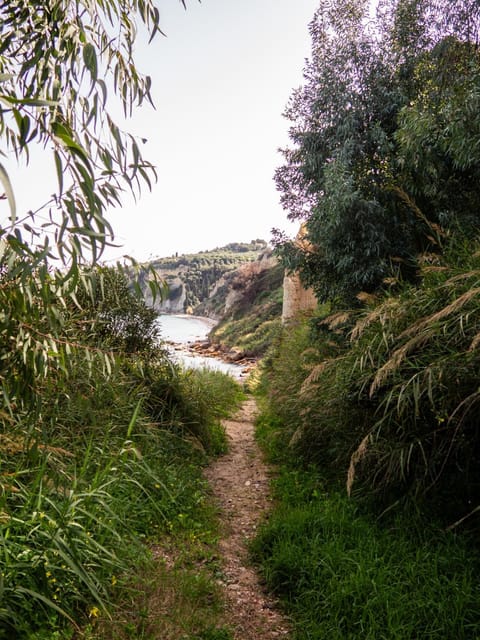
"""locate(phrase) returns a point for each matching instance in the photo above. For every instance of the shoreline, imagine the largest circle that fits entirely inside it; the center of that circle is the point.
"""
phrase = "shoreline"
(190, 316)
(206, 350)
(196, 345)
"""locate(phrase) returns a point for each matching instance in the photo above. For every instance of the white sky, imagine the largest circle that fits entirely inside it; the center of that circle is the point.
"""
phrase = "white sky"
(221, 80)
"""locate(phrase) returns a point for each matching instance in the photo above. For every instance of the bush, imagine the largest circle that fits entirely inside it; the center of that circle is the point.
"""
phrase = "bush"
(387, 398)
(103, 462)
(190, 402)
(78, 497)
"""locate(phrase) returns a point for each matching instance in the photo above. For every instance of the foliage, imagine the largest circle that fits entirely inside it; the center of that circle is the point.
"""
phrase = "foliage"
(339, 574)
(120, 318)
(438, 132)
(385, 399)
(337, 173)
(92, 478)
(193, 401)
(381, 164)
(58, 63)
(86, 476)
(85, 473)
(416, 364)
(380, 401)
(170, 603)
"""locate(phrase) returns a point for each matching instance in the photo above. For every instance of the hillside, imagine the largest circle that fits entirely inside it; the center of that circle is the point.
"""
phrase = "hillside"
(249, 308)
(240, 285)
(193, 278)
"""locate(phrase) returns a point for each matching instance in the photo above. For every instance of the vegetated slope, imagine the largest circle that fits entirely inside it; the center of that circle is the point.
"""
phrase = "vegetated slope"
(380, 403)
(249, 305)
(100, 459)
(191, 278)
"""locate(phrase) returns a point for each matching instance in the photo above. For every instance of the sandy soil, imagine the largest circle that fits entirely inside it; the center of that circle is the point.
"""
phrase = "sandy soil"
(240, 484)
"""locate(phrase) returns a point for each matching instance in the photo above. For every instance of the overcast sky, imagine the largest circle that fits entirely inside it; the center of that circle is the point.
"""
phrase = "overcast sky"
(221, 80)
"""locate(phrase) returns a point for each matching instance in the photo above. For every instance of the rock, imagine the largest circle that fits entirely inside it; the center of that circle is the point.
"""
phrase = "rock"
(234, 355)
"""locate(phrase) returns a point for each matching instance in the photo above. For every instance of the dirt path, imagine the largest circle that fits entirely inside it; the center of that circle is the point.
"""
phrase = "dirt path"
(240, 484)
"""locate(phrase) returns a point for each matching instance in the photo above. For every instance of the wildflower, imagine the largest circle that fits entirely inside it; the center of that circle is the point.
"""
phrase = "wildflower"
(94, 612)
(114, 580)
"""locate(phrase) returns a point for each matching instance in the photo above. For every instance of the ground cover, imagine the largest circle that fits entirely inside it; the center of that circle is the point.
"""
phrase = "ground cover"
(116, 467)
(340, 572)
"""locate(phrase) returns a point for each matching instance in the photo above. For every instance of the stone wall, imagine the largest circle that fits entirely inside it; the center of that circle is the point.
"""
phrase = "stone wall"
(297, 299)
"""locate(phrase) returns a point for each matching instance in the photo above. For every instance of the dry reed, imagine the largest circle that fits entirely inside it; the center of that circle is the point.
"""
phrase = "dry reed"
(357, 456)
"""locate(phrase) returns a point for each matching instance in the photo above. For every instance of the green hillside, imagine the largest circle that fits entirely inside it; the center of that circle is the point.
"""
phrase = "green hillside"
(191, 278)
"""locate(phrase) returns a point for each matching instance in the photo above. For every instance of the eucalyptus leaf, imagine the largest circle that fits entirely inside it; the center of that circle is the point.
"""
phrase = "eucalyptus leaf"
(7, 186)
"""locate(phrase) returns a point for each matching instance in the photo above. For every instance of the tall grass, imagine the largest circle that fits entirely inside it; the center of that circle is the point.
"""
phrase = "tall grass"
(339, 572)
(386, 399)
(94, 475)
(372, 416)
(341, 575)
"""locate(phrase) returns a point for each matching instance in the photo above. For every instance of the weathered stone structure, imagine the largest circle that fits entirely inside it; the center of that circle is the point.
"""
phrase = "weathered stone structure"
(297, 299)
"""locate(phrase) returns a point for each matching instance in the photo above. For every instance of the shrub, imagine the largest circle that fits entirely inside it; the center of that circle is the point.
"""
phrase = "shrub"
(388, 398)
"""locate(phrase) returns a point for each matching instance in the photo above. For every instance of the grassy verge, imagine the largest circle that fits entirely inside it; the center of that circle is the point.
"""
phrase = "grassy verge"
(341, 573)
(172, 592)
(96, 493)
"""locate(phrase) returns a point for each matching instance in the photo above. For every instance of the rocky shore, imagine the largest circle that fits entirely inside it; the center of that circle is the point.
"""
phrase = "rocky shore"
(207, 349)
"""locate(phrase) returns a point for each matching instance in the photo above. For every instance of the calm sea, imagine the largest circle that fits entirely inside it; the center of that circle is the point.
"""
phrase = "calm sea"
(181, 329)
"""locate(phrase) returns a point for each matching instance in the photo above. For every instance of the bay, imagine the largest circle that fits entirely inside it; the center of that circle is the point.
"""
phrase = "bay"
(180, 330)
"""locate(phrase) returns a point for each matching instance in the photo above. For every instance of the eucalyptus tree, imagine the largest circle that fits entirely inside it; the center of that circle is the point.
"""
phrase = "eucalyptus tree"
(337, 170)
(64, 66)
(353, 171)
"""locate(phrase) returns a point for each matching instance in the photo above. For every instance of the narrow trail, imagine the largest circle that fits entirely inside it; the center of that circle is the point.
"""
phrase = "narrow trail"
(240, 484)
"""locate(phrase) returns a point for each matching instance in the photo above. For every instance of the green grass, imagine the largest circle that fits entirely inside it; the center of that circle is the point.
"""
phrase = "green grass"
(112, 466)
(340, 573)
(172, 596)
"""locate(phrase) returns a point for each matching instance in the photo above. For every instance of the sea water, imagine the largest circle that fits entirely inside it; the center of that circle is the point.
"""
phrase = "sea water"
(179, 330)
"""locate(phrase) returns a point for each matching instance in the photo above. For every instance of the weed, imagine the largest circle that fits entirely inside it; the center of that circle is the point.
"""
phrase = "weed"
(341, 575)
(93, 481)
